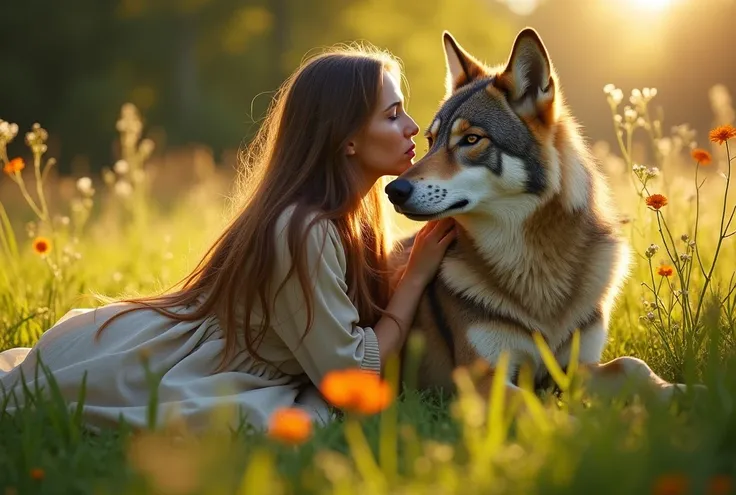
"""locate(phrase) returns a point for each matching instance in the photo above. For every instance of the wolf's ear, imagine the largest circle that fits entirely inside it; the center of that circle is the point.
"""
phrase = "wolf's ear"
(529, 72)
(462, 68)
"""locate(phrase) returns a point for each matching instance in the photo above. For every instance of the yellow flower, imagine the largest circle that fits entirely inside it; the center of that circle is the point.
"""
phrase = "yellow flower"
(357, 391)
(14, 165)
(290, 425)
(656, 201)
(665, 271)
(701, 156)
(723, 133)
(41, 245)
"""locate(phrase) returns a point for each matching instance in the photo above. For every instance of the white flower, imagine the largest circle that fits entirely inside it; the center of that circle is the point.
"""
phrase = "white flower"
(123, 188)
(649, 93)
(121, 167)
(630, 114)
(651, 250)
(84, 185)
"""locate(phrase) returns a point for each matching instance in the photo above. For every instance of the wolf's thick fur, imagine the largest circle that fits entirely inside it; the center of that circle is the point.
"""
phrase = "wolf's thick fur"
(537, 249)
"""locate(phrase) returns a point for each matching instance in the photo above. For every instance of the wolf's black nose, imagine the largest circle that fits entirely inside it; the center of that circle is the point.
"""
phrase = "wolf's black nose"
(398, 191)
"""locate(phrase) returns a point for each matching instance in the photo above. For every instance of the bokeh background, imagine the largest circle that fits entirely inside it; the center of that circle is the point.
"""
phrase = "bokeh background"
(202, 71)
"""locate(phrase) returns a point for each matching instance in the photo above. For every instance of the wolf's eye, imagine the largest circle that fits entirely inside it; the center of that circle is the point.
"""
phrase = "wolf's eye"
(470, 139)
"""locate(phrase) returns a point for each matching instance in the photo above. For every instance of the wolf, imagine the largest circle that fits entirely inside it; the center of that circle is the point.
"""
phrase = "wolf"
(537, 249)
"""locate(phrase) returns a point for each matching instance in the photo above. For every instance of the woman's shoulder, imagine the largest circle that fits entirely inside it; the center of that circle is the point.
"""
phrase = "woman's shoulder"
(322, 241)
(317, 230)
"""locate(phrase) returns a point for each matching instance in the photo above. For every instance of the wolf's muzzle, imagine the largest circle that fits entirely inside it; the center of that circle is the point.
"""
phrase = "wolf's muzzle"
(398, 191)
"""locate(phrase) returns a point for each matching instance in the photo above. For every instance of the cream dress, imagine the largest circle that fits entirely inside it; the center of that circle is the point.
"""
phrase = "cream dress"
(186, 354)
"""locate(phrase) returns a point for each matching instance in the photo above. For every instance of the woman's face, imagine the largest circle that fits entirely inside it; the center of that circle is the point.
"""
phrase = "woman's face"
(385, 146)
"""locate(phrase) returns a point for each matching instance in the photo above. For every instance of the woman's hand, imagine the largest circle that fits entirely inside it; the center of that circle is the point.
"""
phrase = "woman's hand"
(430, 245)
(429, 248)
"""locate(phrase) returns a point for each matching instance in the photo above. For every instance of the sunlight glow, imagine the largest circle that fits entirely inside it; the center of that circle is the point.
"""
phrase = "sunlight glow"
(655, 5)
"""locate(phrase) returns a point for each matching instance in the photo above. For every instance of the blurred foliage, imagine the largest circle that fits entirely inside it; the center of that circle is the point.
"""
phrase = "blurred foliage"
(204, 70)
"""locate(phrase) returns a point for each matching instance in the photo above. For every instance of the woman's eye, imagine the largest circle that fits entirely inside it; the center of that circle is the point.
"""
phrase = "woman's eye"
(429, 141)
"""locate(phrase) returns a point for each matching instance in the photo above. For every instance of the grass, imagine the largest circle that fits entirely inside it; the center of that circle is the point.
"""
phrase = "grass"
(128, 239)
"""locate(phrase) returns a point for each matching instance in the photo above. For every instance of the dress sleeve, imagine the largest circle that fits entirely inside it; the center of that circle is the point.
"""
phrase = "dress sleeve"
(334, 341)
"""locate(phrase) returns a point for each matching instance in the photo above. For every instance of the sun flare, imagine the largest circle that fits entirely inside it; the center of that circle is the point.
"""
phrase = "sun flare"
(652, 4)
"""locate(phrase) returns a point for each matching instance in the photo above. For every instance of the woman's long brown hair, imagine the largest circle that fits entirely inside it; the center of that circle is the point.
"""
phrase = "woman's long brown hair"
(297, 158)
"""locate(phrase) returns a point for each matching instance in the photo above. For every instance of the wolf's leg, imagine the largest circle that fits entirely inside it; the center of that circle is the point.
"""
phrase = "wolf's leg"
(619, 375)
(628, 373)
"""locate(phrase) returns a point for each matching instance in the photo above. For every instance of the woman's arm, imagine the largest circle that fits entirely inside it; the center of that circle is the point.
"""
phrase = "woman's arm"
(426, 255)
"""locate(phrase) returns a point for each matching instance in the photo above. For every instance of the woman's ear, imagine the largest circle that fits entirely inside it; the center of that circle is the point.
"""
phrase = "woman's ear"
(350, 149)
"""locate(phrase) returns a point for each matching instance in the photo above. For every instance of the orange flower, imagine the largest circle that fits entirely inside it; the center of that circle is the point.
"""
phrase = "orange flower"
(37, 473)
(14, 165)
(41, 245)
(670, 484)
(656, 201)
(723, 133)
(290, 425)
(720, 485)
(701, 156)
(665, 271)
(357, 391)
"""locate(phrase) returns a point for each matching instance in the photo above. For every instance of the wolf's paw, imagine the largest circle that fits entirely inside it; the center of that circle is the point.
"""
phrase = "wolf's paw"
(667, 391)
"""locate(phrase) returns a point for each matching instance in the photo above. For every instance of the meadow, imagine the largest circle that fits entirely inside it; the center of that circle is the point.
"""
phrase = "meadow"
(145, 221)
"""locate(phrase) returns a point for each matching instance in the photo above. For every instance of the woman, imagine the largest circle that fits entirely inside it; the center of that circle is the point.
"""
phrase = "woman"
(296, 285)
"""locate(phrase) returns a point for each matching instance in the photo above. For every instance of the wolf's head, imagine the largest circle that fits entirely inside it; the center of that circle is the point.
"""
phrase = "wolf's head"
(498, 142)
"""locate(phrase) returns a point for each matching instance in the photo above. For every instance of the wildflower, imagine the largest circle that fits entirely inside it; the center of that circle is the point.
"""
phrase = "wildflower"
(123, 188)
(357, 391)
(720, 485)
(8, 131)
(615, 95)
(685, 237)
(651, 250)
(84, 185)
(630, 114)
(675, 327)
(684, 257)
(108, 176)
(14, 165)
(635, 96)
(701, 156)
(649, 93)
(665, 271)
(41, 245)
(290, 425)
(723, 133)
(36, 139)
(670, 484)
(656, 201)
(146, 147)
(37, 473)
(652, 172)
(121, 167)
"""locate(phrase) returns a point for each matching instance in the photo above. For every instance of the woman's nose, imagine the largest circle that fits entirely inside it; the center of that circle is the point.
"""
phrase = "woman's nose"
(412, 129)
